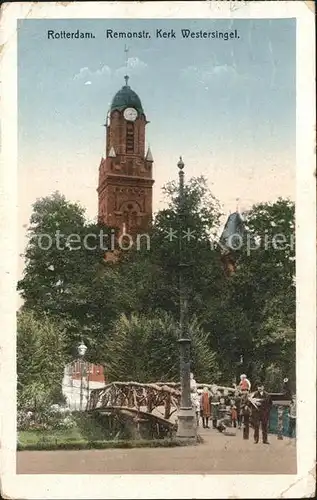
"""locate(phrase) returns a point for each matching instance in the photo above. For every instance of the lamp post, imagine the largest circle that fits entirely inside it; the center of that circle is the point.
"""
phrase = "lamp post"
(186, 416)
(81, 351)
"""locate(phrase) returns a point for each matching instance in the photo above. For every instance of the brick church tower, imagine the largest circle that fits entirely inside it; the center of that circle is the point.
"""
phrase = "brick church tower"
(125, 174)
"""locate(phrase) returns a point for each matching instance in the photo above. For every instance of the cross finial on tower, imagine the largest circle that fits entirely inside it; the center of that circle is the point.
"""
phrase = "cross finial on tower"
(126, 50)
(238, 205)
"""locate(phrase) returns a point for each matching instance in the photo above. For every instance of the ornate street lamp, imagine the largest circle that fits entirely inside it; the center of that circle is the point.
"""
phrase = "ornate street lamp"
(81, 352)
(186, 417)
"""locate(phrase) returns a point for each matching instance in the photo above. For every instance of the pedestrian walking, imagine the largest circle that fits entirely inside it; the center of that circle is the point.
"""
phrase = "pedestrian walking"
(214, 401)
(292, 418)
(205, 407)
(245, 414)
(261, 413)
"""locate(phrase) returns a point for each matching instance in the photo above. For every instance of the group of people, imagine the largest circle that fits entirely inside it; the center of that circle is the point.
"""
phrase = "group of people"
(240, 409)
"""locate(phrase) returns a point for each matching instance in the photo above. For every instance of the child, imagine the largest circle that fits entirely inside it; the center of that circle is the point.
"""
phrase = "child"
(245, 417)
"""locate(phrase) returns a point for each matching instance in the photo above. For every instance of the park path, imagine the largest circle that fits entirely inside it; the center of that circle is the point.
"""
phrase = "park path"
(218, 454)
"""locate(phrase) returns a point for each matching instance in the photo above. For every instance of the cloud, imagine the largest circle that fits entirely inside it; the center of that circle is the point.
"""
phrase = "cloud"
(86, 74)
(134, 66)
(208, 74)
(224, 69)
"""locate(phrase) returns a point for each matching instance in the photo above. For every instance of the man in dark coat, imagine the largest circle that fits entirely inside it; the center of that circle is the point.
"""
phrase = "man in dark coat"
(237, 402)
(261, 412)
(245, 411)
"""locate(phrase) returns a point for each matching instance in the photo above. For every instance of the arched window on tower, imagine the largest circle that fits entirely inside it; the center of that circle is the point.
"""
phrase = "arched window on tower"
(131, 215)
(130, 138)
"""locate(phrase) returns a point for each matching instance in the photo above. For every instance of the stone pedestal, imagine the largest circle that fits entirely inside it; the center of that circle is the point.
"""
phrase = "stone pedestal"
(187, 426)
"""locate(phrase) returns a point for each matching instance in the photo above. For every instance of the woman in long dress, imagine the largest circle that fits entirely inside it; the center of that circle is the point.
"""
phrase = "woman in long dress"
(214, 406)
(205, 407)
(194, 397)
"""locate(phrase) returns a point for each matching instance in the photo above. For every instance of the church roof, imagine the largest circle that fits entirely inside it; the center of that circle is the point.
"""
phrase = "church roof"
(124, 98)
(233, 232)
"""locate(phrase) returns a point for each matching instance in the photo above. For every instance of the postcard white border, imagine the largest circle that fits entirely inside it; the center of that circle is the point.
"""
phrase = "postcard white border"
(168, 486)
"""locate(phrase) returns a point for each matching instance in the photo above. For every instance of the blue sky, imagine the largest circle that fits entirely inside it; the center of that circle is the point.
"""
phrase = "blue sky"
(227, 106)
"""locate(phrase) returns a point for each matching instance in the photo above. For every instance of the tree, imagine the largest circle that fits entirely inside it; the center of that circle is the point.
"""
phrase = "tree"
(66, 277)
(41, 359)
(264, 288)
(59, 249)
(144, 348)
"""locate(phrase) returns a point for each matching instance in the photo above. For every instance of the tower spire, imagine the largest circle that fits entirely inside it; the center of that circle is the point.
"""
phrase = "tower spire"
(126, 50)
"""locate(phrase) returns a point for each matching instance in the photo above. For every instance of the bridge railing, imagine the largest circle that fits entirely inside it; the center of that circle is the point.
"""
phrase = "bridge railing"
(136, 395)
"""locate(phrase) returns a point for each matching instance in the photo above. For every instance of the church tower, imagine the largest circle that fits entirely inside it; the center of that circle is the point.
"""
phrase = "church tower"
(125, 174)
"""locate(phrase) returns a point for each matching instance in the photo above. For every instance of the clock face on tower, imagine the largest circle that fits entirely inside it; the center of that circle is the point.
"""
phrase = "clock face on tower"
(130, 114)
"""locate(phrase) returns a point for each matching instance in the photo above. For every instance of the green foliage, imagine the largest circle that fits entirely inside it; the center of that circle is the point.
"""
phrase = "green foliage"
(264, 289)
(117, 309)
(68, 280)
(40, 360)
(145, 348)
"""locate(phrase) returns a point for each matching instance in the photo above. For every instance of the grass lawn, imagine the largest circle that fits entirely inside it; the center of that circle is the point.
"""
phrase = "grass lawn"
(85, 431)
(55, 436)
(37, 440)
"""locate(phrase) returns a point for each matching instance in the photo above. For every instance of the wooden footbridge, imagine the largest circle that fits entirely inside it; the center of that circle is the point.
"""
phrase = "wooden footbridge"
(154, 405)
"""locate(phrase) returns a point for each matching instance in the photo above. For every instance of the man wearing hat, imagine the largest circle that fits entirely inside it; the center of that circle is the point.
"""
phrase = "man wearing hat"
(262, 404)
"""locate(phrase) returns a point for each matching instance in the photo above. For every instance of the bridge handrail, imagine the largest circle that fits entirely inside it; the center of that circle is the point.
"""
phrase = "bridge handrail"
(160, 386)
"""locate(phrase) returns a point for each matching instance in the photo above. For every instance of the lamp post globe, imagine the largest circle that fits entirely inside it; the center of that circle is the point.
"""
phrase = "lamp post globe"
(82, 348)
